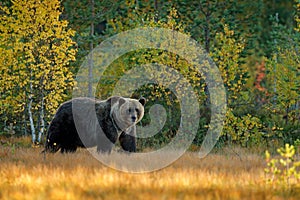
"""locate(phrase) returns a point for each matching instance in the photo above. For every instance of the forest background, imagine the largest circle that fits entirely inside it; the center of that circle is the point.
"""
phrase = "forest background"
(255, 45)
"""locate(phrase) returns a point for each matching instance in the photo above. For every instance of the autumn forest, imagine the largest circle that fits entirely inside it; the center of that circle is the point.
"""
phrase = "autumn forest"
(254, 45)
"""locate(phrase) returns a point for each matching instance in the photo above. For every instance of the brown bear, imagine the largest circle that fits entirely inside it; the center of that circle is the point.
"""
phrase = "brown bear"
(87, 122)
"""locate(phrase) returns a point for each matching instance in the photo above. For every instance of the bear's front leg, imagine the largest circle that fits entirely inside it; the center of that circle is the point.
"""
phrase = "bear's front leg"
(127, 140)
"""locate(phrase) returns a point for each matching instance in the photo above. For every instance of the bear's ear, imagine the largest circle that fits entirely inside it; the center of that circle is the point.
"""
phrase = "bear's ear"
(142, 100)
(114, 99)
(121, 101)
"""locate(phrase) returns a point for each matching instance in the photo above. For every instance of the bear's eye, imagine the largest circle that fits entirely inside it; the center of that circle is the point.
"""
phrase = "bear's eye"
(129, 110)
(137, 110)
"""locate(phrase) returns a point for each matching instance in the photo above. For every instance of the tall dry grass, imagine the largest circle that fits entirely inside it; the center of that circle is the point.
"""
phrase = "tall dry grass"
(24, 174)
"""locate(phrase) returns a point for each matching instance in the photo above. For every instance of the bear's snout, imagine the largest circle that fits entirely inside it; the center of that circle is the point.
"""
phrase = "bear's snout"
(133, 118)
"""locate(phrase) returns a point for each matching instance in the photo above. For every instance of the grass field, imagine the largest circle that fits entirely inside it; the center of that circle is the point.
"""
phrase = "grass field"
(24, 174)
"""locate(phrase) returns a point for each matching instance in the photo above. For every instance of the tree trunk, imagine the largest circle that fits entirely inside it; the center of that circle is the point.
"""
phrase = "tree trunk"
(41, 121)
(275, 72)
(207, 14)
(32, 128)
(90, 81)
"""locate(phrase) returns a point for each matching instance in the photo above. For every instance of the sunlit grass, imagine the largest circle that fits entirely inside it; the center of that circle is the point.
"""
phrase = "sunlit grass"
(24, 174)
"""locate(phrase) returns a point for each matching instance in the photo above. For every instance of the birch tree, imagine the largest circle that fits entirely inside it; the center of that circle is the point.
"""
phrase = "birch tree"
(36, 49)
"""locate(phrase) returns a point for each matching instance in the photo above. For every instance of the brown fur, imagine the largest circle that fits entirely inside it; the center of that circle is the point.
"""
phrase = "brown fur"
(86, 122)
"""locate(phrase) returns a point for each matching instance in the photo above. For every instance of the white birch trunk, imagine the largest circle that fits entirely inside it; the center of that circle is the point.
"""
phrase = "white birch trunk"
(30, 115)
(32, 128)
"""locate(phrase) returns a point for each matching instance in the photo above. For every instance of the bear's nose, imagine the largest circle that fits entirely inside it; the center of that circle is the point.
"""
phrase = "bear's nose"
(133, 118)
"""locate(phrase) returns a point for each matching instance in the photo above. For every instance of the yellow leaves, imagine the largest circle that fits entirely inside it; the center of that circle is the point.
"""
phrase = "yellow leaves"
(297, 17)
(171, 21)
(37, 48)
(243, 129)
(227, 55)
(285, 169)
(227, 31)
(287, 152)
(267, 155)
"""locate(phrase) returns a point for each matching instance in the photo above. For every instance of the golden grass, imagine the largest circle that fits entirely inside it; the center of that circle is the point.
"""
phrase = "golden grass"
(24, 174)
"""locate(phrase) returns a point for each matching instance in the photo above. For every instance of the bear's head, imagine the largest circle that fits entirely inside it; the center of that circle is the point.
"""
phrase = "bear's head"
(126, 112)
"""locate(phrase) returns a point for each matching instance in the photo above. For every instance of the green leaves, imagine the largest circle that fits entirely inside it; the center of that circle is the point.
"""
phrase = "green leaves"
(283, 84)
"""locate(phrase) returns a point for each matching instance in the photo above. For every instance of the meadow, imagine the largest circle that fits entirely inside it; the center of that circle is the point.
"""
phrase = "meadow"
(228, 173)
